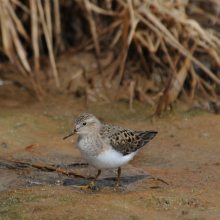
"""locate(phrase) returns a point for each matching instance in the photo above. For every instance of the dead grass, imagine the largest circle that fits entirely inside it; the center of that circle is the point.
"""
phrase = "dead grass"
(154, 51)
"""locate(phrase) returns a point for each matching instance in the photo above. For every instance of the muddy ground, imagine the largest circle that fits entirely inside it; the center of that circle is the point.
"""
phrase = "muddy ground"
(185, 154)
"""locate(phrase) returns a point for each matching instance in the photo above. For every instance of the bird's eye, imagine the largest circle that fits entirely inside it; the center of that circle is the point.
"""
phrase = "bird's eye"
(84, 123)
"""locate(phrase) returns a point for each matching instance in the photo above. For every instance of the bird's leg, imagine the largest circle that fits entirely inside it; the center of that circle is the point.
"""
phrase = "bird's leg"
(92, 183)
(119, 174)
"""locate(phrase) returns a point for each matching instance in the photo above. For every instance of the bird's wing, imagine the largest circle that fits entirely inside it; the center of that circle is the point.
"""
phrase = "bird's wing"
(126, 141)
(108, 130)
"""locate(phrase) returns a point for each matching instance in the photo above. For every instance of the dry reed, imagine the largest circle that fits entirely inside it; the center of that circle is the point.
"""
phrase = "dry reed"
(159, 39)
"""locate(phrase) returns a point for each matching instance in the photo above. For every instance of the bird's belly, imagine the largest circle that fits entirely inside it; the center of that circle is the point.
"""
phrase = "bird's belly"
(108, 159)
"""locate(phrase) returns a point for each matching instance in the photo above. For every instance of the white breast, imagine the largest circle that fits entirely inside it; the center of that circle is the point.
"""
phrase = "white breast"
(109, 159)
(92, 150)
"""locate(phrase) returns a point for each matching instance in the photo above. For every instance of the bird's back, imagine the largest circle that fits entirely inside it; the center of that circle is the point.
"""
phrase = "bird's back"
(126, 141)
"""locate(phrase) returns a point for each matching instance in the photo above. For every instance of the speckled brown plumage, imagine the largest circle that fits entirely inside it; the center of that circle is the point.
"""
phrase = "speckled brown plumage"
(126, 141)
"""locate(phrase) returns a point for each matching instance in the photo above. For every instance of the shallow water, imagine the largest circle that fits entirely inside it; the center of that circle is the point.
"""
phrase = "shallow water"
(185, 154)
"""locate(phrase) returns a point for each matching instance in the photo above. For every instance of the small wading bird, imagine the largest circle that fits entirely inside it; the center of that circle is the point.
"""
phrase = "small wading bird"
(107, 146)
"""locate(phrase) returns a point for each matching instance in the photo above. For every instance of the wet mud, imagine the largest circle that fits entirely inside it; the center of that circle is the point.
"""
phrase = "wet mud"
(185, 154)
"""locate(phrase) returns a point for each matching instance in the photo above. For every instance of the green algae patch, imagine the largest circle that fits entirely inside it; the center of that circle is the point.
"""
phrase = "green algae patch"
(121, 113)
(23, 203)
(173, 202)
(191, 113)
(134, 217)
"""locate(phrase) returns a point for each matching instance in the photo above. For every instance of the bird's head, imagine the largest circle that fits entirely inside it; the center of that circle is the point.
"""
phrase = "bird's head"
(85, 124)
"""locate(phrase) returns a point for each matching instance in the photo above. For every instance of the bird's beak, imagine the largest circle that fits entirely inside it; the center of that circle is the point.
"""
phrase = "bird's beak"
(70, 134)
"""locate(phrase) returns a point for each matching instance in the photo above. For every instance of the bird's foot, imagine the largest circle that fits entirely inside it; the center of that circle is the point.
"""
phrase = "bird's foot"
(87, 187)
(83, 187)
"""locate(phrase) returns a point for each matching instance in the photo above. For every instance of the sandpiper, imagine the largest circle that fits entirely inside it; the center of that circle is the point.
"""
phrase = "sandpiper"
(107, 146)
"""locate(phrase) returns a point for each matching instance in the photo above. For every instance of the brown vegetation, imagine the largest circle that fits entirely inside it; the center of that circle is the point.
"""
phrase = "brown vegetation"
(150, 48)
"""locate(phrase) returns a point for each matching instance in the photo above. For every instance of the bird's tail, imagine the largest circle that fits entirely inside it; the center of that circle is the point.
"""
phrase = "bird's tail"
(146, 136)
